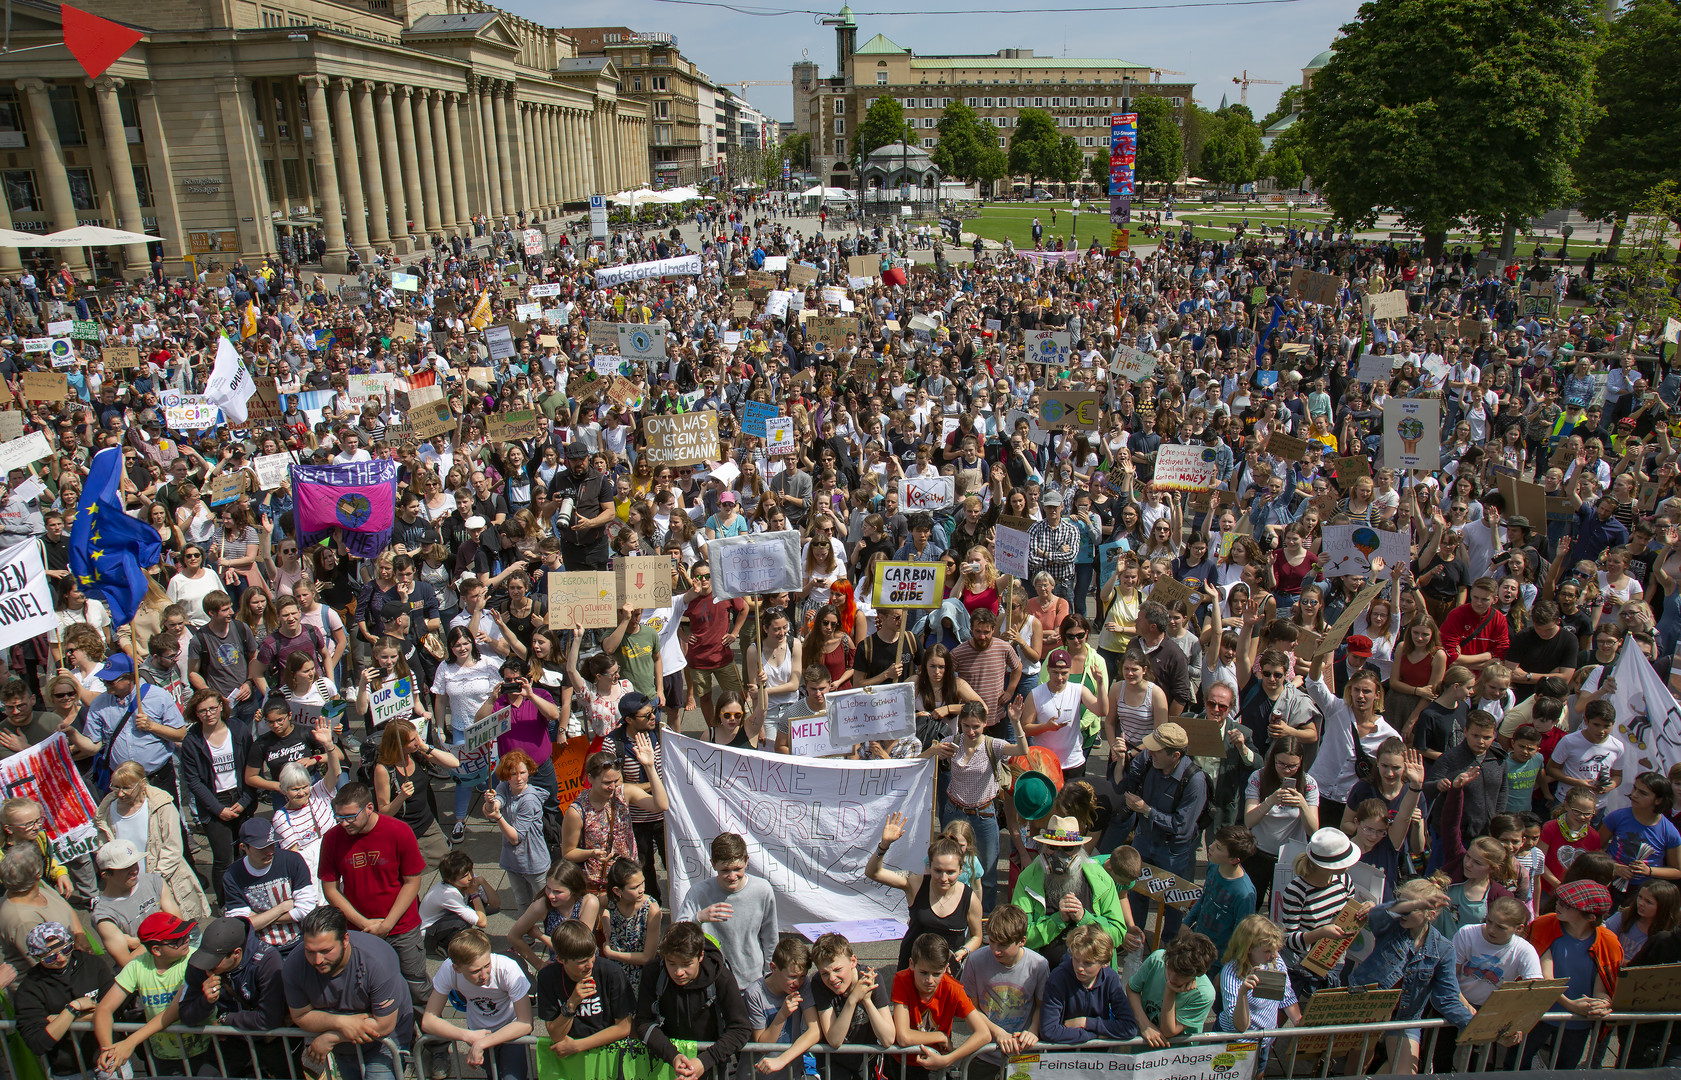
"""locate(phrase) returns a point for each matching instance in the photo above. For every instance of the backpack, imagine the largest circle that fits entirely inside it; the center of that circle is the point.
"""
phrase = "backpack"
(277, 668)
(1206, 818)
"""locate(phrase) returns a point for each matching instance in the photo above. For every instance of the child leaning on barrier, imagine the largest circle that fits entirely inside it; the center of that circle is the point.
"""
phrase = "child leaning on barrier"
(1256, 946)
(584, 1000)
(782, 1010)
(1085, 998)
(1006, 981)
(496, 998)
(853, 1007)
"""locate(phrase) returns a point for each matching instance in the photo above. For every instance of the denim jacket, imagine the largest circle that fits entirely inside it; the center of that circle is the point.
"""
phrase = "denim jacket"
(1424, 972)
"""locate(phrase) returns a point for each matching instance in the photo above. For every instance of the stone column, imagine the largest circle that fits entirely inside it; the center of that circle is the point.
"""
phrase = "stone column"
(426, 164)
(528, 170)
(367, 138)
(344, 147)
(127, 198)
(162, 176)
(326, 173)
(441, 159)
(494, 154)
(402, 103)
(10, 261)
(392, 165)
(534, 153)
(568, 150)
(49, 156)
(457, 163)
(506, 122)
(593, 177)
(550, 186)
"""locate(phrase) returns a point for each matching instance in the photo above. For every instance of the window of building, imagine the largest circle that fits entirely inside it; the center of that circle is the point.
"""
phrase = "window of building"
(1091, 103)
(11, 120)
(927, 103)
(67, 115)
(928, 144)
(143, 184)
(1178, 102)
(282, 129)
(945, 102)
(636, 82)
(840, 106)
(82, 194)
(294, 178)
(660, 82)
(21, 194)
(881, 78)
(273, 18)
(1056, 103)
(1091, 141)
(268, 180)
(1000, 140)
(1105, 103)
(1038, 103)
(988, 101)
(1021, 103)
(840, 125)
(840, 147)
(1091, 121)
(929, 121)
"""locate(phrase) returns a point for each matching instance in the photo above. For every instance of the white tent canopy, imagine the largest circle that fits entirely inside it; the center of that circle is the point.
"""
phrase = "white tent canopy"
(821, 192)
(678, 195)
(14, 238)
(633, 198)
(91, 236)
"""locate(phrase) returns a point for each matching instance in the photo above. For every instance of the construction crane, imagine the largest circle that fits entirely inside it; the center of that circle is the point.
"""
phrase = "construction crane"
(759, 82)
(1159, 72)
(1244, 80)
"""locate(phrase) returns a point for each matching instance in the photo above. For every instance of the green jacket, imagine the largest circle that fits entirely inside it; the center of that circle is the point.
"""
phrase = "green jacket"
(1106, 909)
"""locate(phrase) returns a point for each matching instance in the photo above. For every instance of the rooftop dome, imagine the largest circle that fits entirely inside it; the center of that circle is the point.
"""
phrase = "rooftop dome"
(1319, 61)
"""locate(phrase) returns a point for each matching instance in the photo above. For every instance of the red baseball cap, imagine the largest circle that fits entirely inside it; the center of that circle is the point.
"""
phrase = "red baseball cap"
(162, 928)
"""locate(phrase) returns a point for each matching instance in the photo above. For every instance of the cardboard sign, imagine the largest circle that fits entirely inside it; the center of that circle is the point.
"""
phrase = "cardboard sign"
(1527, 500)
(885, 712)
(927, 493)
(1471, 329)
(264, 405)
(1167, 887)
(431, 418)
(1339, 629)
(1341, 1006)
(830, 330)
(583, 598)
(863, 265)
(481, 733)
(1389, 305)
(742, 309)
(1516, 1006)
(1375, 369)
(1168, 591)
(754, 564)
(1133, 364)
(521, 424)
(403, 330)
(1082, 409)
(1049, 347)
(1647, 989)
(569, 756)
(11, 424)
(1187, 468)
(802, 275)
(1349, 469)
(909, 584)
(1412, 433)
(808, 736)
(1206, 738)
(123, 356)
(45, 386)
(1315, 288)
(226, 488)
(644, 581)
(1327, 953)
(681, 439)
(760, 284)
(1287, 447)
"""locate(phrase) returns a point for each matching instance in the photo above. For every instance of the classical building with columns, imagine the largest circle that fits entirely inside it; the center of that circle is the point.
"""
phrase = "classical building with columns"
(233, 126)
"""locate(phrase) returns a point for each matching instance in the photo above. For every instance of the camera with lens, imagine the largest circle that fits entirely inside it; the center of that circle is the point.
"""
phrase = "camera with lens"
(563, 517)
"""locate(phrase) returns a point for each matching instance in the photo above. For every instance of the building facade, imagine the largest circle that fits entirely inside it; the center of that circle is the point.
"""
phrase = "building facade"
(654, 73)
(1081, 94)
(231, 129)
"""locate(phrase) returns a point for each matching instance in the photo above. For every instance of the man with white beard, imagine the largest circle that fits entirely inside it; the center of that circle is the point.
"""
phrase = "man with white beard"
(1061, 889)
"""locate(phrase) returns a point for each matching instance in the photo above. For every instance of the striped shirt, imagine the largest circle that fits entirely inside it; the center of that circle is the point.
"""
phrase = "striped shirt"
(1306, 908)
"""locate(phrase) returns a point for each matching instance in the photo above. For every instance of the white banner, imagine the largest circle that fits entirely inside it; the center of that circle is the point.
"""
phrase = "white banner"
(810, 825)
(230, 386)
(779, 435)
(401, 282)
(754, 564)
(273, 470)
(19, 453)
(1412, 433)
(1349, 549)
(886, 711)
(533, 241)
(45, 772)
(1009, 548)
(548, 288)
(682, 266)
(927, 493)
(1648, 718)
(26, 600)
(1206, 1061)
(1186, 468)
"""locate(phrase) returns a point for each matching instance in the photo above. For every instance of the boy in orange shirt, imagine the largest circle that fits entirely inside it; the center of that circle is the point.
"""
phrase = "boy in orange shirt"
(926, 1002)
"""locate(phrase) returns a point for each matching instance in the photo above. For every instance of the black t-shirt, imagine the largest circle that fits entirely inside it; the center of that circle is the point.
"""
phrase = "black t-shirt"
(859, 1031)
(1440, 727)
(875, 656)
(1445, 585)
(270, 752)
(611, 1001)
(586, 493)
(1530, 651)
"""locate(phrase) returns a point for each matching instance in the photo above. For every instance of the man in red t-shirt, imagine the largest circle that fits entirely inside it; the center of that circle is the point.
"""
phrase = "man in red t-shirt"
(370, 869)
(710, 645)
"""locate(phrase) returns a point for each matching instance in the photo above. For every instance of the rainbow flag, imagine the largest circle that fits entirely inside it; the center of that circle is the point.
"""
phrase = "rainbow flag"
(359, 499)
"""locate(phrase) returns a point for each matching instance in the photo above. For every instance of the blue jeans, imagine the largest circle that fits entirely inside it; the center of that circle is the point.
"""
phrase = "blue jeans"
(368, 1061)
(1083, 575)
(986, 840)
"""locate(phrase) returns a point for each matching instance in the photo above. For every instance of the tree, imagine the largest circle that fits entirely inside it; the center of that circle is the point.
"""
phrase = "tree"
(1097, 171)
(883, 124)
(959, 150)
(991, 163)
(1069, 161)
(1199, 124)
(1651, 273)
(1482, 133)
(1161, 147)
(797, 149)
(1034, 146)
(1631, 146)
(1232, 154)
(1288, 102)
(1282, 164)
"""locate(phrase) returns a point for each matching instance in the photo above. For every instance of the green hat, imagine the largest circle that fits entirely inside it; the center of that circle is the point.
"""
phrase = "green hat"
(1035, 794)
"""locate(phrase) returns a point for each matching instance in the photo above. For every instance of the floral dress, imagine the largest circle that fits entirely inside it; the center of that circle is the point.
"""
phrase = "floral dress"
(629, 934)
(606, 829)
(604, 708)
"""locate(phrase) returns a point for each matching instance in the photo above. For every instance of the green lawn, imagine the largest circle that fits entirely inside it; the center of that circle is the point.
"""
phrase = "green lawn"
(1015, 223)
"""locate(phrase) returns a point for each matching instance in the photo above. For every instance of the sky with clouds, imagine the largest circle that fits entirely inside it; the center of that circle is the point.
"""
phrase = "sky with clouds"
(1210, 43)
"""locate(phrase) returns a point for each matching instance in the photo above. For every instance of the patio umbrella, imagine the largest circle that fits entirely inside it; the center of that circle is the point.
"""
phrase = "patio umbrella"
(14, 238)
(93, 236)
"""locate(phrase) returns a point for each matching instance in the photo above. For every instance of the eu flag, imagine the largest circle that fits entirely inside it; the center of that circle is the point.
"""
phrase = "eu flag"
(110, 550)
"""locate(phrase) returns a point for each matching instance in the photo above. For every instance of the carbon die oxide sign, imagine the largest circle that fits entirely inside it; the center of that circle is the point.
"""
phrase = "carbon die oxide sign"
(909, 584)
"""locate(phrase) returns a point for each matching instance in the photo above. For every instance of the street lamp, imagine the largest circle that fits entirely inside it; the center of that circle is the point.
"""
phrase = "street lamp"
(1074, 217)
(1290, 217)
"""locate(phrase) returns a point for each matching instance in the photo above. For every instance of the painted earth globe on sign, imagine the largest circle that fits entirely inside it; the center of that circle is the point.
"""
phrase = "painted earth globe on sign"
(354, 510)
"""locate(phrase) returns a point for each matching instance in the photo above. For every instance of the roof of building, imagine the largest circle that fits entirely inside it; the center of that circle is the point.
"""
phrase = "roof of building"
(897, 154)
(880, 44)
(466, 22)
(1319, 61)
(581, 63)
(1056, 62)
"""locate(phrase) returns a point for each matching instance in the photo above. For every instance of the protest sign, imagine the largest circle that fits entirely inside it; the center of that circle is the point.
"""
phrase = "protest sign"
(500, 339)
(682, 438)
(1527, 500)
(760, 284)
(1647, 989)
(1186, 468)
(753, 419)
(550, 288)
(26, 599)
(481, 733)
(191, 414)
(1168, 591)
(926, 492)
(802, 275)
(1287, 447)
(755, 563)
(1134, 364)
(1344, 1007)
(1375, 369)
(11, 424)
(606, 367)
(1215, 1061)
(21, 452)
(1412, 433)
(84, 330)
(642, 342)
(123, 356)
(857, 929)
(1167, 887)
(909, 584)
(776, 303)
(47, 774)
(569, 756)
(264, 405)
(431, 418)
(1315, 288)
(1388, 305)
(885, 712)
(583, 598)
(1470, 328)
(681, 266)
(1514, 1006)
(742, 309)
(45, 386)
(808, 736)
(392, 701)
(225, 488)
(779, 436)
(1339, 629)
(519, 424)
(405, 282)
(830, 330)
(1081, 409)
(1009, 545)
(644, 581)
(867, 266)
(1048, 347)
(37, 344)
(1349, 549)
(810, 825)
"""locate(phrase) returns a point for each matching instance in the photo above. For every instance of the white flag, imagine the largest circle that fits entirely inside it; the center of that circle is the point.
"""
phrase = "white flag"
(230, 386)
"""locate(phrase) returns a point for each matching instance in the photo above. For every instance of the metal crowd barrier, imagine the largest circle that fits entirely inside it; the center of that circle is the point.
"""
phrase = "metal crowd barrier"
(277, 1055)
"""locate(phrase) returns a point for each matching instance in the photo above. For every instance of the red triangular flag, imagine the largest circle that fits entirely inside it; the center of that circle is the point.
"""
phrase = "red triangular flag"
(96, 43)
